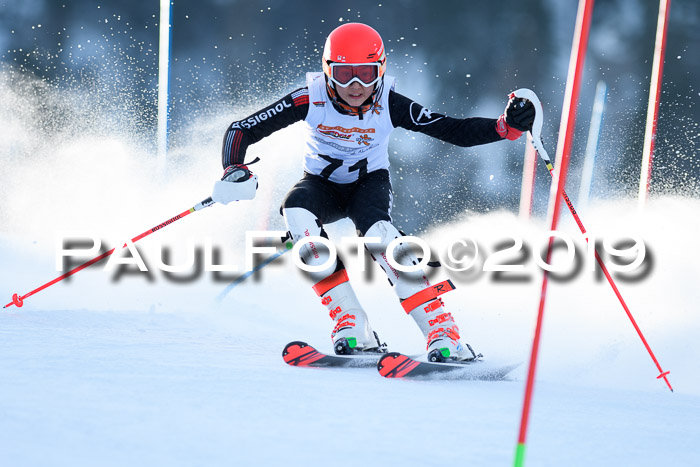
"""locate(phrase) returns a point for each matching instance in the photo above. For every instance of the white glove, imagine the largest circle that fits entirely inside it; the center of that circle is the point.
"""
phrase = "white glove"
(237, 184)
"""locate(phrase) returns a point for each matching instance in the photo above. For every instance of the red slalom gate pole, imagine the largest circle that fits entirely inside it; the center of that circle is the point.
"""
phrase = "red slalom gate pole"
(18, 300)
(568, 119)
(654, 100)
(527, 189)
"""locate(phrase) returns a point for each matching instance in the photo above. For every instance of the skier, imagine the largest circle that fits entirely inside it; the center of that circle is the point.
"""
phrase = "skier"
(349, 111)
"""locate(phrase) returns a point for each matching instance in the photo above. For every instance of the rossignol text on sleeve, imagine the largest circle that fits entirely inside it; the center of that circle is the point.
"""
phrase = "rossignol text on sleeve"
(240, 134)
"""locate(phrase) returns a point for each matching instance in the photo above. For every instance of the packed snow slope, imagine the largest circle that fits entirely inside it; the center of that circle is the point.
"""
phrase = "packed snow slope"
(132, 372)
(116, 368)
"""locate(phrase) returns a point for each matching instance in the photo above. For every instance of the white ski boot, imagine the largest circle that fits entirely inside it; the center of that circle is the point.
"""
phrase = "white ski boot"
(352, 332)
(441, 333)
(418, 297)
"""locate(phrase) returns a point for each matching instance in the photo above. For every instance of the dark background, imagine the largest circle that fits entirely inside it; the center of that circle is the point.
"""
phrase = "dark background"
(455, 57)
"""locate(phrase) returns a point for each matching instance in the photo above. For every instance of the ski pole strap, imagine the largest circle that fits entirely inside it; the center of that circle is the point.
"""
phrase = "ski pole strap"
(331, 281)
(427, 294)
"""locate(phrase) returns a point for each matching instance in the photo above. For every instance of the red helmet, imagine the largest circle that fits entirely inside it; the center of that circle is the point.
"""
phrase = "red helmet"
(354, 52)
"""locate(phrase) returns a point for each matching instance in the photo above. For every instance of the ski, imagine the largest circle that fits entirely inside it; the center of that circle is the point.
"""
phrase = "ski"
(299, 353)
(396, 365)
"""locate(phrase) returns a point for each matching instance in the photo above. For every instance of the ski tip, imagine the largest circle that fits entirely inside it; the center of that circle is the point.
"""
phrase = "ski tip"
(299, 353)
(395, 365)
(294, 344)
(389, 356)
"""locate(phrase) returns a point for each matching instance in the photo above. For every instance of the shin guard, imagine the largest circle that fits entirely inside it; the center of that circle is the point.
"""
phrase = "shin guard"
(302, 223)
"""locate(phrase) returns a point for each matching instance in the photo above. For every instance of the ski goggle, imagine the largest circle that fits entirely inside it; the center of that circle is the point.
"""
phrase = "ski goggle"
(344, 74)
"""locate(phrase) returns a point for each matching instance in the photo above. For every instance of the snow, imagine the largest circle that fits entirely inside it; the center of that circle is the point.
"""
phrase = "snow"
(97, 372)
(142, 370)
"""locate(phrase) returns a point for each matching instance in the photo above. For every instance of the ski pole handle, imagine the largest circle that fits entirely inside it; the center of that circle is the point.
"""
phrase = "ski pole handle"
(203, 204)
(537, 124)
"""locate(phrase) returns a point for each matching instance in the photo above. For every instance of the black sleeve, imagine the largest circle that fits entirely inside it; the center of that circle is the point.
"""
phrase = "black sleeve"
(290, 109)
(465, 132)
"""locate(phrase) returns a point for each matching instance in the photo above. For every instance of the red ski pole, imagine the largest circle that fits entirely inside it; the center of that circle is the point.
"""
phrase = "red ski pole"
(18, 300)
(537, 127)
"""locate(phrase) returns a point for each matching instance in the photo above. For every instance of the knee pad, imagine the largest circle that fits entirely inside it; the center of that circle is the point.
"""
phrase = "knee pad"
(405, 284)
(301, 223)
